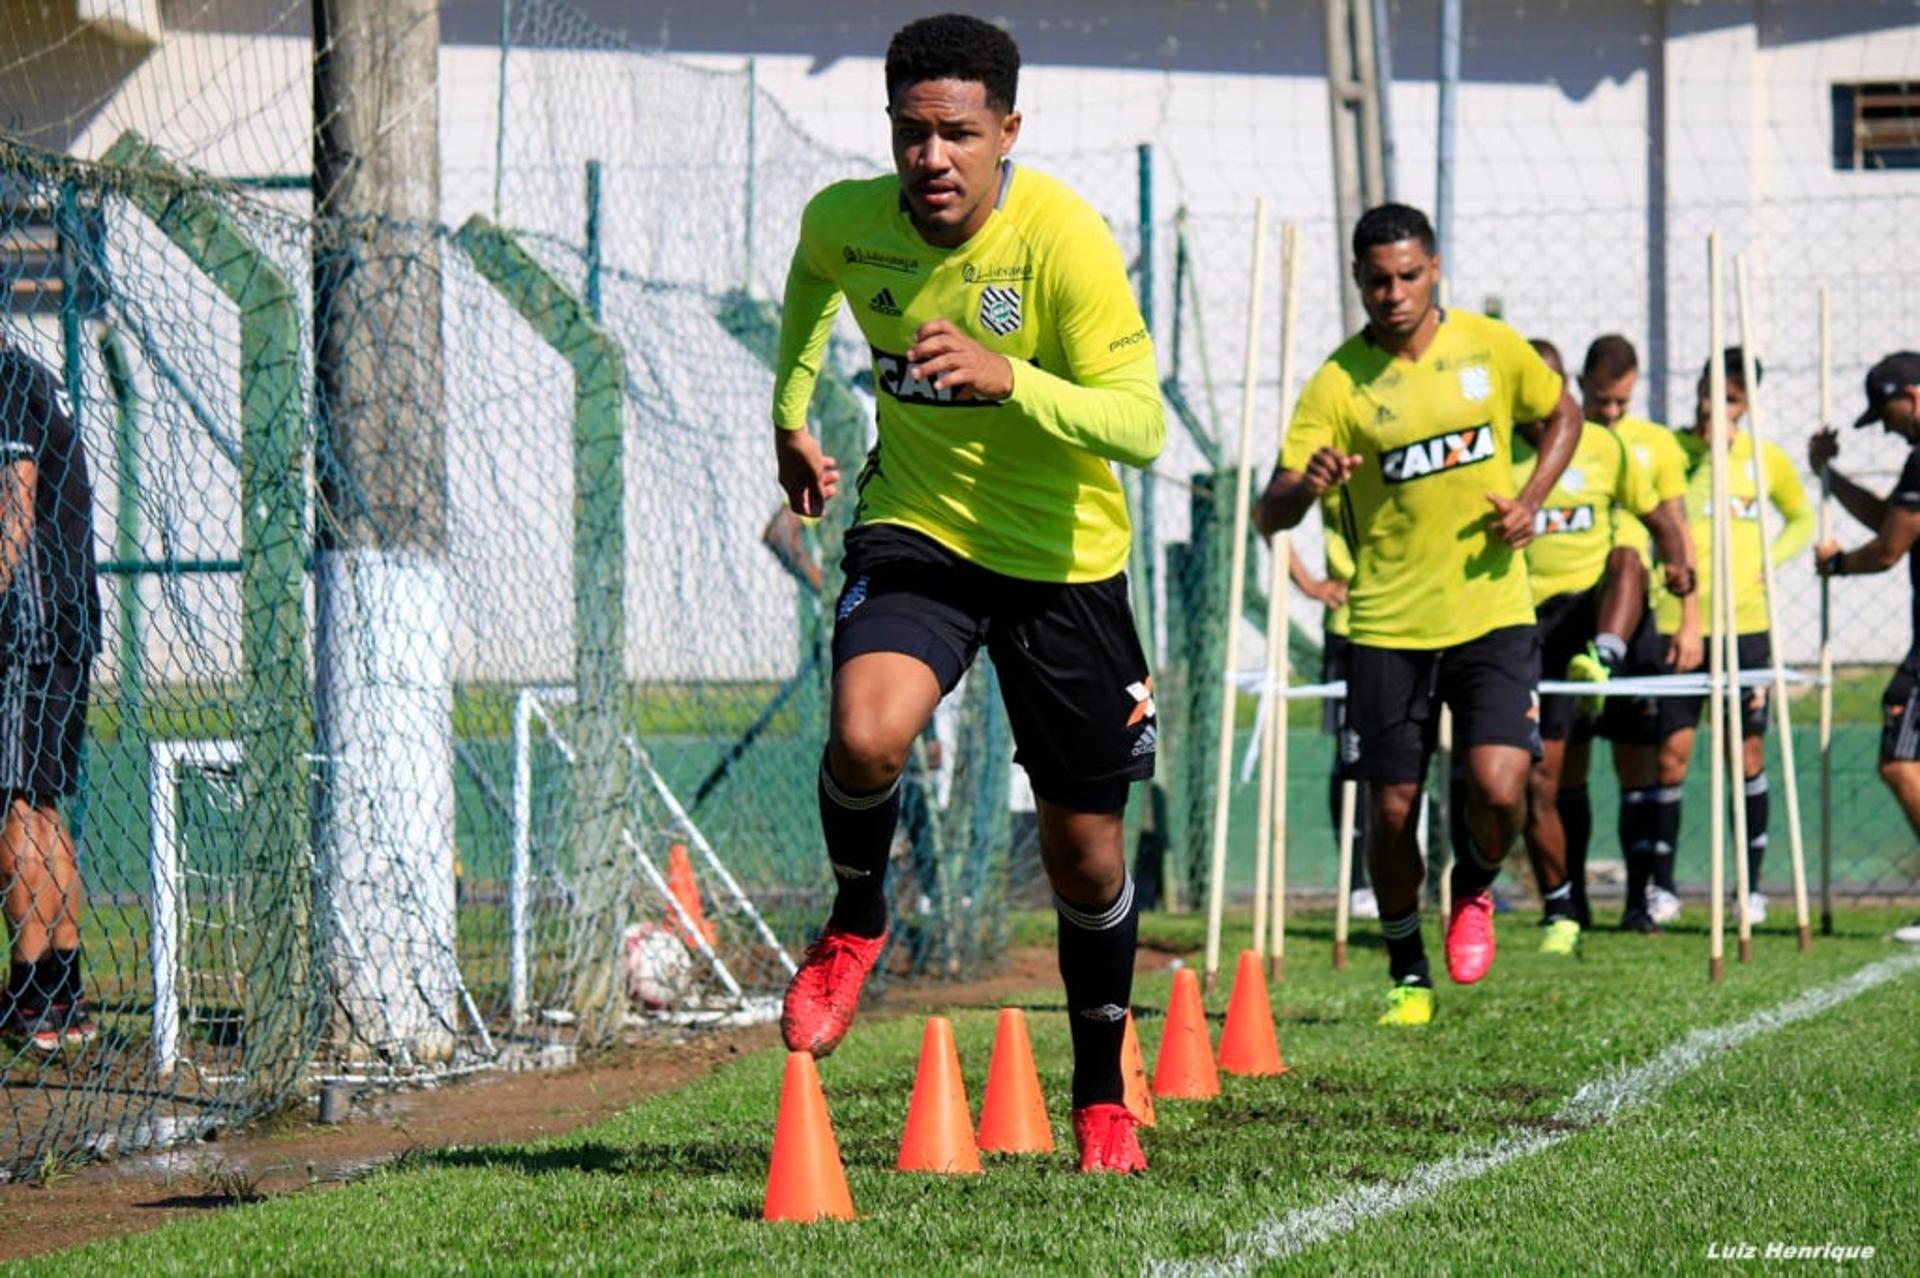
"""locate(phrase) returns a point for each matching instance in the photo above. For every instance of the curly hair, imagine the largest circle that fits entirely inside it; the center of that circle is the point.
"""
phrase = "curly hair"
(1389, 224)
(953, 46)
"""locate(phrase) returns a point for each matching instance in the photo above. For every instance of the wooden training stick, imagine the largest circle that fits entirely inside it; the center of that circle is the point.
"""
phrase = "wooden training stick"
(1826, 635)
(1749, 335)
(1343, 880)
(1236, 594)
(1440, 816)
(1280, 600)
(1717, 647)
(1725, 626)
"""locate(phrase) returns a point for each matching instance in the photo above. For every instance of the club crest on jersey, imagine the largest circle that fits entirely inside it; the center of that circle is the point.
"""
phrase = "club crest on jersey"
(999, 309)
(1476, 383)
(1449, 451)
(1562, 519)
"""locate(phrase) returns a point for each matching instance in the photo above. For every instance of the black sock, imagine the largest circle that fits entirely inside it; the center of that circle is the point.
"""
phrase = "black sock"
(19, 981)
(1358, 878)
(1666, 833)
(859, 831)
(1559, 903)
(1639, 832)
(1759, 808)
(1406, 950)
(67, 968)
(1576, 818)
(1472, 872)
(1096, 966)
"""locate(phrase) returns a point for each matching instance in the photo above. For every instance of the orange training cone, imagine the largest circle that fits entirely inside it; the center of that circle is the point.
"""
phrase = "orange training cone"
(1133, 1071)
(939, 1134)
(1013, 1115)
(805, 1180)
(1185, 1068)
(1248, 1045)
(686, 890)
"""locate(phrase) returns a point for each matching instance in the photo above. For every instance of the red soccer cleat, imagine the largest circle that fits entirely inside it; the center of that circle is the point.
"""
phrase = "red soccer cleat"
(825, 992)
(1470, 938)
(1105, 1134)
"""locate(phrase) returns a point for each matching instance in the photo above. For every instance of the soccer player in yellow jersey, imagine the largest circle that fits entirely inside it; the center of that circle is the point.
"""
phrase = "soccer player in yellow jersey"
(1680, 716)
(1012, 370)
(1590, 595)
(1607, 382)
(1412, 418)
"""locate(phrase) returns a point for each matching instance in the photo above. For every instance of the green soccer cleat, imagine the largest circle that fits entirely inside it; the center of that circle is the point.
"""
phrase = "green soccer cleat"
(1408, 1005)
(1588, 667)
(1562, 938)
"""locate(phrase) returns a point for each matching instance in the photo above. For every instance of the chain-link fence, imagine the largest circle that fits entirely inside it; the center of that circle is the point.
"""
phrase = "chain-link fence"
(399, 816)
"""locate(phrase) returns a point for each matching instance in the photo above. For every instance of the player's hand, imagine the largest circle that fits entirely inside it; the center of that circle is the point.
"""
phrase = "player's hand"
(1822, 447)
(1681, 580)
(1330, 468)
(1686, 650)
(1513, 519)
(957, 363)
(809, 476)
(1823, 553)
(1330, 594)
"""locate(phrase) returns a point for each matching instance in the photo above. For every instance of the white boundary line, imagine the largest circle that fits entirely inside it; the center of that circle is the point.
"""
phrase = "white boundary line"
(1600, 1099)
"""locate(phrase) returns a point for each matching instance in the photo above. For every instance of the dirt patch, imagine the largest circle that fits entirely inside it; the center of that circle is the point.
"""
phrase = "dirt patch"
(291, 1155)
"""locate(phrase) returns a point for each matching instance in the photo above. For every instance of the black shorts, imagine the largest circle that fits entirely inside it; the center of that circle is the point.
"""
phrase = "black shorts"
(1900, 713)
(43, 722)
(1636, 720)
(1336, 652)
(1676, 714)
(1394, 694)
(1568, 624)
(1071, 669)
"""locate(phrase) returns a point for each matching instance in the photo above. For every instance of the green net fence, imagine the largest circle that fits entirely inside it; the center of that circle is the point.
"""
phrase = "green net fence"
(380, 791)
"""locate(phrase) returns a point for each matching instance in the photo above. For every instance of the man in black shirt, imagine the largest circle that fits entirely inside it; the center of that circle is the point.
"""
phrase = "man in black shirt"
(49, 627)
(1893, 400)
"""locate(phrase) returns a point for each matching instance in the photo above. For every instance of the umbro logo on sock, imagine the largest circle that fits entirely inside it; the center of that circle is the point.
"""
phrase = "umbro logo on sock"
(883, 303)
(1108, 1012)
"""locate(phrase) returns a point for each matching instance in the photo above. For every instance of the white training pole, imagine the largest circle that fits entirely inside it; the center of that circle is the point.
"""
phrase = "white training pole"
(1280, 608)
(1717, 623)
(1826, 634)
(1343, 879)
(1749, 336)
(1236, 593)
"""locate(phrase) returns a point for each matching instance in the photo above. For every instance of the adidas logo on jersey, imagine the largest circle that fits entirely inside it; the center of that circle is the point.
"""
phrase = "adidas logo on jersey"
(1562, 519)
(1450, 451)
(883, 303)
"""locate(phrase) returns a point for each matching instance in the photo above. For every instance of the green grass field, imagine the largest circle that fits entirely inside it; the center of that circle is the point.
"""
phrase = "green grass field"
(1804, 1133)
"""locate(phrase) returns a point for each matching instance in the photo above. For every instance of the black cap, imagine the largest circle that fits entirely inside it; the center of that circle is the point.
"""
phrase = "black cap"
(1885, 380)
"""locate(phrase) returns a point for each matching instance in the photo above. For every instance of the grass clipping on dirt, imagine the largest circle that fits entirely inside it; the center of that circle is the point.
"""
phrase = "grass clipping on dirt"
(1808, 1135)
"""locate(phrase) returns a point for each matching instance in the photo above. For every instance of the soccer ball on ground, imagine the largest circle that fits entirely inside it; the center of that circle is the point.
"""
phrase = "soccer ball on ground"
(658, 965)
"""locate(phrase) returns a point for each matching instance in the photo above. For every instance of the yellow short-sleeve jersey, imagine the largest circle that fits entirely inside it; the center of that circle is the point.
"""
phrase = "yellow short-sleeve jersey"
(1787, 496)
(1436, 438)
(1042, 283)
(1656, 450)
(1573, 531)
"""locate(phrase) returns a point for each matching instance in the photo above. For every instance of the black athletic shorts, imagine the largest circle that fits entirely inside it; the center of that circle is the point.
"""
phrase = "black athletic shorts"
(1900, 713)
(43, 721)
(1072, 673)
(1679, 713)
(1336, 653)
(1568, 624)
(1394, 696)
(1636, 720)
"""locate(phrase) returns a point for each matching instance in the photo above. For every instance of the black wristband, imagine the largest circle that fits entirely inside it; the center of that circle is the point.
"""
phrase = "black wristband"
(1834, 565)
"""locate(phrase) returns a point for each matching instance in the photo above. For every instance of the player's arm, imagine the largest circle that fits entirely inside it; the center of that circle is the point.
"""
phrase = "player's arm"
(1867, 507)
(1313, 458)
(1559, 437)
(1323, 590)
(812, 300)
(1789, 497)
(1899, 529)
(1115, 413)
(18, 481)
